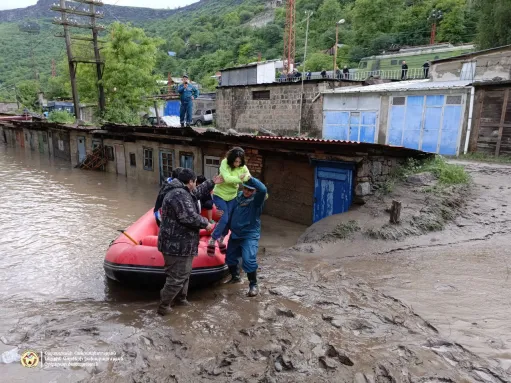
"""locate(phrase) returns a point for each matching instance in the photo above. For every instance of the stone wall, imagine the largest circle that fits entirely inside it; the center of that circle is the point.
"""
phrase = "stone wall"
(237, 109)
(371, 172)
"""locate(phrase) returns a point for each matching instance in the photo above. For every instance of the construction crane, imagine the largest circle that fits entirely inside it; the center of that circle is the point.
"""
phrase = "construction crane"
(289, 36)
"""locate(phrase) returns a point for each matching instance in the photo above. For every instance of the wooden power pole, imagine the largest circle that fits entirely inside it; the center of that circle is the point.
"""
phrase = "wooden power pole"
(67, 7)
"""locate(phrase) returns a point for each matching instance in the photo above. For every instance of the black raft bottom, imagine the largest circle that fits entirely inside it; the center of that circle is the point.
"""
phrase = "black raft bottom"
(155, 276)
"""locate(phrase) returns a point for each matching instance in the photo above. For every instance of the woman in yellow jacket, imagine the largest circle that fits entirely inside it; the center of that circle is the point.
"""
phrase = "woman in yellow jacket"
(234, 172)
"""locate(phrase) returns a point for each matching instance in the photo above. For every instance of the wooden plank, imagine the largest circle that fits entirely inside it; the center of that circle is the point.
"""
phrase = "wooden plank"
(494, 125)
(502, 118)
(477, 123)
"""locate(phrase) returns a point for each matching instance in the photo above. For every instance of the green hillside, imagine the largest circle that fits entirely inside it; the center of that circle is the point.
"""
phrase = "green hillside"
(16, 60)
(213, 34)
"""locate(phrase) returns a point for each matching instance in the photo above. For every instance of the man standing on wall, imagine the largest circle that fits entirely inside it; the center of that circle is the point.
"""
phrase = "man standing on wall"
(425, 68)
(188, 93)
(178, 239)
(245, 233)
(404, 71)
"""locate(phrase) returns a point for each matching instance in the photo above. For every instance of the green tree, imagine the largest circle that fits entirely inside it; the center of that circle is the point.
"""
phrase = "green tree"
(372, 18)
(319, 61)
(130, 59)
(494, 28)
(61, 116)
(452, 26)
(27, 94)
(231, 19)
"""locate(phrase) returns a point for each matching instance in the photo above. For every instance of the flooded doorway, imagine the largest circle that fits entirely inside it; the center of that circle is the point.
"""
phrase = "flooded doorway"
(120, 160)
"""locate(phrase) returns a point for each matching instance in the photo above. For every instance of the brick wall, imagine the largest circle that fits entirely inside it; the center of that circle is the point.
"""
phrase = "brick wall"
(254, 162)
(290, 185)
(237, 109)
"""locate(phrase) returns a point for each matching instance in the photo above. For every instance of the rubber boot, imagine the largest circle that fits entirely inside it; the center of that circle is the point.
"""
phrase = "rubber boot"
(163, 310)
(210, 251)
(235, 274)
(253, 289)
(222, 246)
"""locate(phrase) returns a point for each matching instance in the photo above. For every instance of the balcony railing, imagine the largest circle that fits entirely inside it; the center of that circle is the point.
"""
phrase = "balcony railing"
(395, 74)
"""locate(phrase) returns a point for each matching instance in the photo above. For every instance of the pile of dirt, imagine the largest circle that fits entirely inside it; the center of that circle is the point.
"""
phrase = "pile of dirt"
(426, 206)
(307, 325)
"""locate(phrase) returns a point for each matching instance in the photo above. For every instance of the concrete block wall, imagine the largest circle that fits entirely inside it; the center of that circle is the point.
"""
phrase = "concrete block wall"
(237, 109)
(489, 66)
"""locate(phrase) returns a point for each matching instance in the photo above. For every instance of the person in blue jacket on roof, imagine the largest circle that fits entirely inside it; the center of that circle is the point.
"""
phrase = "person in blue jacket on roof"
(188, 93)
(245, 233)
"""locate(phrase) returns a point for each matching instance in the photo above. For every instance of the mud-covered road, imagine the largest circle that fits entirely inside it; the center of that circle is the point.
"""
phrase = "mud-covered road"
(364, 312)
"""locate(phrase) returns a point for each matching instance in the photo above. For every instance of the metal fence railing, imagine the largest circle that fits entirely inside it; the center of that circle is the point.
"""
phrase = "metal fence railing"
(395, 74)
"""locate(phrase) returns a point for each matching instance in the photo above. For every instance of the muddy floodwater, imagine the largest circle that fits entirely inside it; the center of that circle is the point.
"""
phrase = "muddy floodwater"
(386, 313)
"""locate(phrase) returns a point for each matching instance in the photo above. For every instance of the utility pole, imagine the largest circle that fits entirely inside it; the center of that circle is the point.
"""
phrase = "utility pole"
(72, 60)
(53, 68)
(342, 21)
(435, 17)
(99, 67)
(309, 14)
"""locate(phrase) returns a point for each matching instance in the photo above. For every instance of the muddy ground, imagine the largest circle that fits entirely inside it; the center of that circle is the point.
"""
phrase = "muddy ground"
(429, 308)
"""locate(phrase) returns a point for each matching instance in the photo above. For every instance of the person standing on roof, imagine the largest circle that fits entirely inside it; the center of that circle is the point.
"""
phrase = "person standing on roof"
(404, 71)
(425, 68)
(188, 93)
(346, 72)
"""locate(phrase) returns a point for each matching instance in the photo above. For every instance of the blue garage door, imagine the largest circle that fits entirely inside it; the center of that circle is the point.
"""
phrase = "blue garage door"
(429, 123)
(333, 190)
(352, 126)
(172, 108)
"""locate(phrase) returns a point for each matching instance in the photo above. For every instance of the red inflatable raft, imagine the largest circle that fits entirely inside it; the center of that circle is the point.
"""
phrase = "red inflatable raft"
(143, 264)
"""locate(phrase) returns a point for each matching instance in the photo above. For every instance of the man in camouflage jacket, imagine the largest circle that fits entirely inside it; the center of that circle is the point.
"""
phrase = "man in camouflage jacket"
(178, 239)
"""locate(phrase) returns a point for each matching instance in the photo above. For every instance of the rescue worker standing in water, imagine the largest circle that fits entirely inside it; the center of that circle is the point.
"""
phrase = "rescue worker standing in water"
(245, 233)
(188, 93)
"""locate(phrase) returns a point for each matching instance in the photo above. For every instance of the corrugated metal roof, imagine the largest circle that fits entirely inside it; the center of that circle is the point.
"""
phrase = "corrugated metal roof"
(308, 139)
(402, 86)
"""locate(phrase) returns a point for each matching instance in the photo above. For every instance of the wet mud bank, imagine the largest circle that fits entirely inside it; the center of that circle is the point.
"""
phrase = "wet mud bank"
(317, 318)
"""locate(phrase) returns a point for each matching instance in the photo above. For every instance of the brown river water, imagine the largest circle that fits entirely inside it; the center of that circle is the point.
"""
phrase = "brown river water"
(316, 320)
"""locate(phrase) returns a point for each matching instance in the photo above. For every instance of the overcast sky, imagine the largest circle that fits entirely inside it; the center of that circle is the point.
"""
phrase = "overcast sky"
(10, 4)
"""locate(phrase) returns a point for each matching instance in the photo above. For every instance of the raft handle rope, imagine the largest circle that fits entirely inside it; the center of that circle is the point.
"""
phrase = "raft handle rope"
(128, 236)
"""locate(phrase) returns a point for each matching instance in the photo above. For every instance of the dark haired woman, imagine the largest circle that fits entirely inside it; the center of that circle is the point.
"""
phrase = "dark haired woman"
(234, 172)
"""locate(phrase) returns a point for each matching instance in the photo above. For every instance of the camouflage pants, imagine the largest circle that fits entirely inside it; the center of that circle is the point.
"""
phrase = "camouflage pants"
(178, 270)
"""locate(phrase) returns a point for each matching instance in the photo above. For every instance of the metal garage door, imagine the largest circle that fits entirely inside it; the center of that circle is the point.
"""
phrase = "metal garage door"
(429, 123)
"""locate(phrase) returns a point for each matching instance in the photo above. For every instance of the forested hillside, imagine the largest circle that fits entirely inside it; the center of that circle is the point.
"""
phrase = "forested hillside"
(218, 33)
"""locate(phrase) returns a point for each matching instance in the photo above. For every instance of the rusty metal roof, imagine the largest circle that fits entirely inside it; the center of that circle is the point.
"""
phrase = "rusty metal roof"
(308, 139)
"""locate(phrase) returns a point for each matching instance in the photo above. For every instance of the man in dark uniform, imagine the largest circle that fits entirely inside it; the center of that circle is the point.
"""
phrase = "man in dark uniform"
(188, 93)
(178, 239)
(404, 71)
